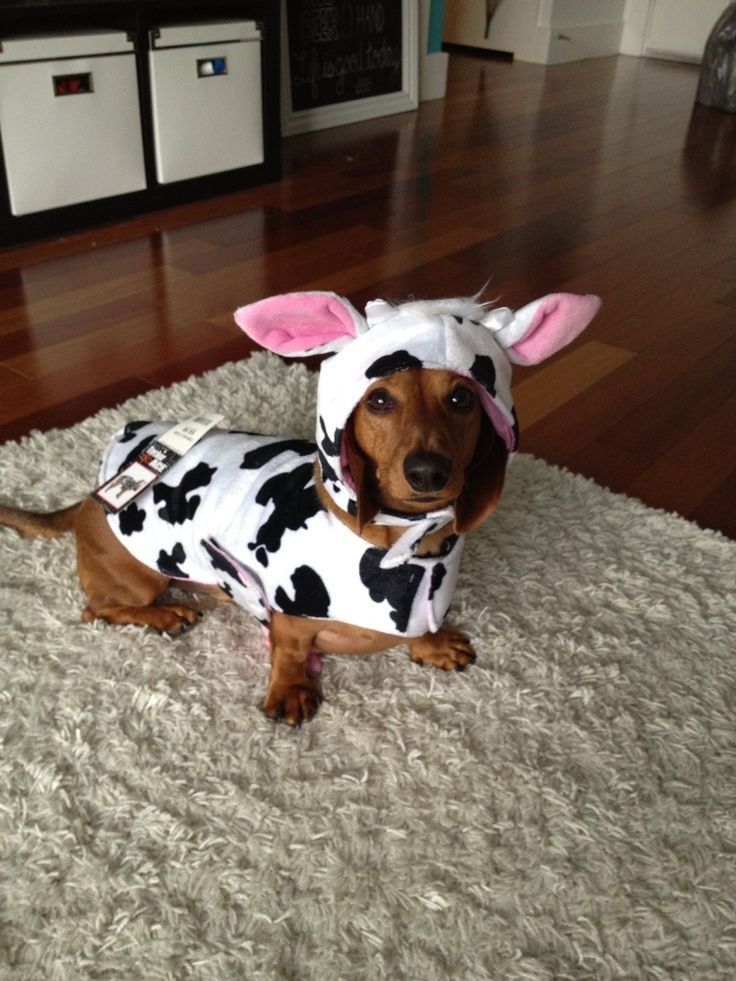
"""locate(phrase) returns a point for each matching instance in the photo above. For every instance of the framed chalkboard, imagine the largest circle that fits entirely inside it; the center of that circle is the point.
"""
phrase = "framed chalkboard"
(346, 60)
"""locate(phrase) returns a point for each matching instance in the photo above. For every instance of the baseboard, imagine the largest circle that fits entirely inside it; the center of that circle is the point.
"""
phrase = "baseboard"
(672, 56)
(476, 52)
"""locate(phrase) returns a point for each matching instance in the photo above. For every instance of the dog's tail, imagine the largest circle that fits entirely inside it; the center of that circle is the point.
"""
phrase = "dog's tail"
(32, 524)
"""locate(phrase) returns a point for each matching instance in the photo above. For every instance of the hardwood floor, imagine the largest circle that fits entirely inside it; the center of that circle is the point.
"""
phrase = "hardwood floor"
(598, 176)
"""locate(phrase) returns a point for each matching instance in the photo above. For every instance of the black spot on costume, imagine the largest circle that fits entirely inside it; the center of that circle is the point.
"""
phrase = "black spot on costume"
(170, 563)
(178, 505)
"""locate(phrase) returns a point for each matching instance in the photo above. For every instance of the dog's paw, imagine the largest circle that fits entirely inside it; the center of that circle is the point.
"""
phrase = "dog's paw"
(171, 619)
(175, 619)
(293, 704)
(446, 650)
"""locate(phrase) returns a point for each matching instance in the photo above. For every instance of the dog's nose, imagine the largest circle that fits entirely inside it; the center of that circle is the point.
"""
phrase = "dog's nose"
(427, 471)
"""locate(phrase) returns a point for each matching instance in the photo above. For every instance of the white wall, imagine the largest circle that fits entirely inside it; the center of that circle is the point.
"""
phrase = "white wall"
(637, 15)
(679, 28)
(544, 31)
(669, 28)
(549, 31)
(514, 23)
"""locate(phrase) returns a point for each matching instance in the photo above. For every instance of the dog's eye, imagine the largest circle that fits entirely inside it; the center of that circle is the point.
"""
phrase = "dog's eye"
(379, 401)
(461, 399)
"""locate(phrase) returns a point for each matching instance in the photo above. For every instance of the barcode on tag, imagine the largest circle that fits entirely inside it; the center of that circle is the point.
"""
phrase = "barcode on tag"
(158, 457)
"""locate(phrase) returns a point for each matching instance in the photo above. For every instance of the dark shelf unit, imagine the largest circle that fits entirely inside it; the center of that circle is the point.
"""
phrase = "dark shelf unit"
(138, 18)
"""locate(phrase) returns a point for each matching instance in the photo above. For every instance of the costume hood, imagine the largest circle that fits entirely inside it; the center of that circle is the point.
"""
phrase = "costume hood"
(458, 335)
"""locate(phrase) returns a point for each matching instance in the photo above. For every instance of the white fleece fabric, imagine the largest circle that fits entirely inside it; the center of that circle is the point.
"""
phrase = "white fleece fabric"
(241, 511)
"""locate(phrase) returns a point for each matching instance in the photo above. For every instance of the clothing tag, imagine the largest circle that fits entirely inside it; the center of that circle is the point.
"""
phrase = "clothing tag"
(184, 435)
(159, 456)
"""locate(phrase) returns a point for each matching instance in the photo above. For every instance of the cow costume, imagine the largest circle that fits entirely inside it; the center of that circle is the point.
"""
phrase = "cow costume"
(242, 511)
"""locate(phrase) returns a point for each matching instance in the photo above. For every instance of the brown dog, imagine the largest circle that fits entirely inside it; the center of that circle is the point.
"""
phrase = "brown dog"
(353, 544)
(418, 441)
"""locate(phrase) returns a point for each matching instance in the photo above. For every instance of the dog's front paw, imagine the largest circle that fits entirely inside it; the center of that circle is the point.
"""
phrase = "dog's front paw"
(293, 703)
(447, 650)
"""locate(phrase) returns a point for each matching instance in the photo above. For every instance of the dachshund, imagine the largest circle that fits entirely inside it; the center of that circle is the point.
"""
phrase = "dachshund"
(348, 545)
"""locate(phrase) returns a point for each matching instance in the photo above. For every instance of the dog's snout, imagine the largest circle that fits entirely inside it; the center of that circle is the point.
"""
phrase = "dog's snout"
(426, 471)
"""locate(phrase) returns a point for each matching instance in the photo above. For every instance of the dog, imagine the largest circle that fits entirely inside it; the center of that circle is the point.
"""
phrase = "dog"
(348, 545)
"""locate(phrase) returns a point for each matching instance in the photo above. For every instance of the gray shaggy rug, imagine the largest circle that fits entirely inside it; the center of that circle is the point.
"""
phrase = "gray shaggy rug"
(564, 809)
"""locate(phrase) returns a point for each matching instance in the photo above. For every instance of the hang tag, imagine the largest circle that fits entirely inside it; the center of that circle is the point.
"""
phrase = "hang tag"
(182, 437)
(158, 457)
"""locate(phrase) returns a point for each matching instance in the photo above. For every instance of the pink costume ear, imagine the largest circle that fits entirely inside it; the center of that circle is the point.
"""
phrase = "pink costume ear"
(300, 324)
(545, 326)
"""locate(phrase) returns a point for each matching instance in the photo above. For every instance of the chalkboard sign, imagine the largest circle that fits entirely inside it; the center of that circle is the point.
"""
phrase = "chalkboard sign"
(340, 51)
(345, 60)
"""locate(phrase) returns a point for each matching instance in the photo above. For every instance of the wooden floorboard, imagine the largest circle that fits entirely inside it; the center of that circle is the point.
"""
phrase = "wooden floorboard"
(598, 176)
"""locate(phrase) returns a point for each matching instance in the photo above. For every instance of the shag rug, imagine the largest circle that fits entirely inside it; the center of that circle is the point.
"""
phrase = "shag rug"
(564, 809)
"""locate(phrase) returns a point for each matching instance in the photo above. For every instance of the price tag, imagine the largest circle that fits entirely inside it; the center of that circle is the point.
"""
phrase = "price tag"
(158, 457)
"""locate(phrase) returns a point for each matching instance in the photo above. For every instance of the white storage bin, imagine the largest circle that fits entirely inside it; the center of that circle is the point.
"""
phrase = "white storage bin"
(69, 120)
(206, 95)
